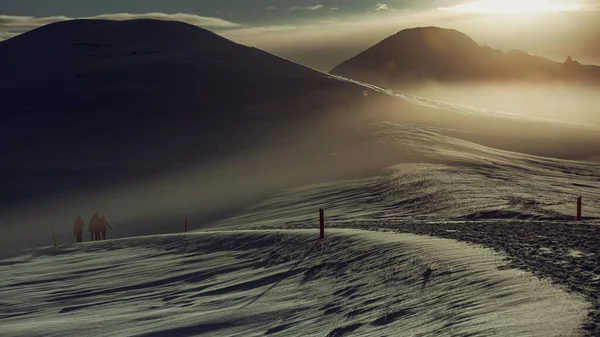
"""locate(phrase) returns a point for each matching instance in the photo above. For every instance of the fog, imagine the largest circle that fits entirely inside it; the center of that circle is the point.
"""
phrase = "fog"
(345, 143)
(159, 204)
(569, 103)
(300, 152)
(333, 144)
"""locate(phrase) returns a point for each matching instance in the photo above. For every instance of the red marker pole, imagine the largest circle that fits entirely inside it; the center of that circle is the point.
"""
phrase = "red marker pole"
(185, 226)
(322, 221)
(579, 209)
(53, 236)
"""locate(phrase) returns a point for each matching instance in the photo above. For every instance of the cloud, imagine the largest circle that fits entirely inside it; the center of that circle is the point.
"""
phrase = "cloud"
(11, 26)
(384, 7)
(333, 9)
(299, 8)
(304, 8)
(193, 19)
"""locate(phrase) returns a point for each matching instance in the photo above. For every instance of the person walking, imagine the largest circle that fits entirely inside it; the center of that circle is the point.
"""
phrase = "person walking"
(94, 227)
(103, 224)
(90, 229)
(78, 228)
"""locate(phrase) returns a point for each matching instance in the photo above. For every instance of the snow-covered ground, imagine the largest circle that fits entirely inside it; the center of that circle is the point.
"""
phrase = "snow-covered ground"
(280, 283)
(230, 137)
(438, 178)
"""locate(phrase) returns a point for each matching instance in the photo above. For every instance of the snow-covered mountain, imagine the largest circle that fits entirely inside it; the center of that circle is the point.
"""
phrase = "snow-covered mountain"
(419, 55)
(89, 104)
(144, 95)
(153, 121)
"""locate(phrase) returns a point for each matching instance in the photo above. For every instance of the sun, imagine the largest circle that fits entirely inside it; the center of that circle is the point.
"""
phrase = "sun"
(515, 6)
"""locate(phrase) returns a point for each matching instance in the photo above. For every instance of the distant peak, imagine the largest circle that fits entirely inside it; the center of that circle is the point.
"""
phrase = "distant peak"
(429, 28)
(433, 34)
(138, 32)
(570, 62)
(518, 52)
(430, 31)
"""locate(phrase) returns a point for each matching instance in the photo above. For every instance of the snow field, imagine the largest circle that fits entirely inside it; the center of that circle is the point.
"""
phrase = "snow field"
(279, 283)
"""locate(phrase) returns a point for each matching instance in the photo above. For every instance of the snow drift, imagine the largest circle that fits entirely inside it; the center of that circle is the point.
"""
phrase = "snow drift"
(279, 283)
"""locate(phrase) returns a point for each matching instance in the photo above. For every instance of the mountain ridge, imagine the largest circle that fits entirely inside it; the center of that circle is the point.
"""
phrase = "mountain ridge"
(175, 127)
(120, 100)
(431, 53)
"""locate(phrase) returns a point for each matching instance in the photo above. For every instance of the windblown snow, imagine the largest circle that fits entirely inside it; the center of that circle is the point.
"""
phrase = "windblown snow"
(278, 283)
(196, 126)
(156, 130)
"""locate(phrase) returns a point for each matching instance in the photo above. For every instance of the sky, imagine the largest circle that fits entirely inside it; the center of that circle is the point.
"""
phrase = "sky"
(323, 33)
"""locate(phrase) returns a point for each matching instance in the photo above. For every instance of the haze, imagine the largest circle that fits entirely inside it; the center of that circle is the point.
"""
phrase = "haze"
(257, 188)
(320, 35)
(324, 33)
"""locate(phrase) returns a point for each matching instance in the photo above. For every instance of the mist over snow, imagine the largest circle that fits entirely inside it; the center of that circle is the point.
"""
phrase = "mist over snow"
(178, 122)
(151, 122)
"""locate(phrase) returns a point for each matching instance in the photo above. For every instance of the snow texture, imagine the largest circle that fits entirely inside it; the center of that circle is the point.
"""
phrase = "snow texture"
(279, 283)
(235, 138)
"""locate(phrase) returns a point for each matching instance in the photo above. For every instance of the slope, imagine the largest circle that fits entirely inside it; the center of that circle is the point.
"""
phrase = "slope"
(185, 124)
(436, 178)
(106, 101)
(278, 283)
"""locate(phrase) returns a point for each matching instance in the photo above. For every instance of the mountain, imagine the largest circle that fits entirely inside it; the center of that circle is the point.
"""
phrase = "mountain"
(165, 127)
(151, 122)
(87, 103)
(130, 81)
(445, 55)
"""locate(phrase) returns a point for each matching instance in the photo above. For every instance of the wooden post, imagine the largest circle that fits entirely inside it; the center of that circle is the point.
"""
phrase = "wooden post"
(53, 236)
(185, 226)
(322, 222)
(579, 209)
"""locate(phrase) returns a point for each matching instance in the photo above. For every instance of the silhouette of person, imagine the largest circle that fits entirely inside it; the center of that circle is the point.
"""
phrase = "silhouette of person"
(90, 229)
(94, 227)
(78, 228)
(103, 224)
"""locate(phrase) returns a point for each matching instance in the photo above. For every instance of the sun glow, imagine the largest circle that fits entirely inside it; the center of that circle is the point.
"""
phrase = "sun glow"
(515, 6)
